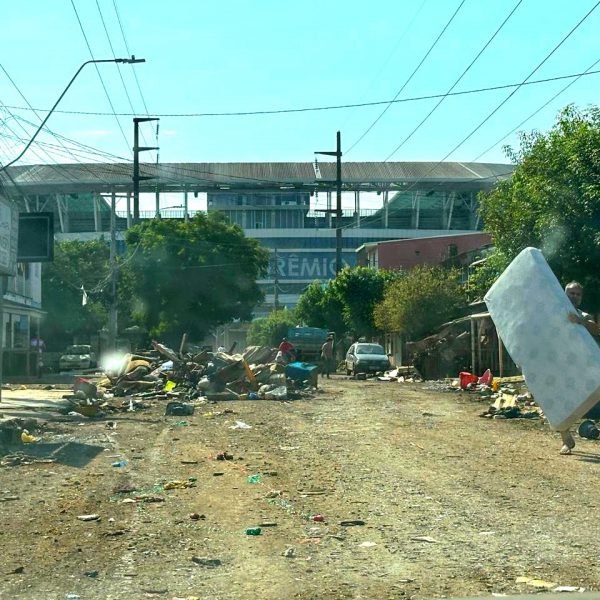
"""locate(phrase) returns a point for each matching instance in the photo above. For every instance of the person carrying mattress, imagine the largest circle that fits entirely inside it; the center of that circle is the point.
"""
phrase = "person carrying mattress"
(574, 291)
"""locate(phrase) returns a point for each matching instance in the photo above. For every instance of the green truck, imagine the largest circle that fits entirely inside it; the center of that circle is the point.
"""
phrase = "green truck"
(307, 341)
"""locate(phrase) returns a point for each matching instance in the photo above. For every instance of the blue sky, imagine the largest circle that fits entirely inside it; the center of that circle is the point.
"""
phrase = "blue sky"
(262, 55)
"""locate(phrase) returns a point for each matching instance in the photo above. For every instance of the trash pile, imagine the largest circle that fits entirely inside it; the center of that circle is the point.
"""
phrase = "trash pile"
(402, 375)
(181, 377)
(509, 395)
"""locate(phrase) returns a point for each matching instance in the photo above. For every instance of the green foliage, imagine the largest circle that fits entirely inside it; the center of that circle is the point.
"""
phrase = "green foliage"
(553, 200)
(359, 290)
(420, 300)
(191, 277)
(270, 330)
(318, 306)
(484, 275)
(75, 264)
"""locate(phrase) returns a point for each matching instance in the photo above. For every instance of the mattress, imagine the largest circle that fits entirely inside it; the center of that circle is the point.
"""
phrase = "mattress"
(560, 360)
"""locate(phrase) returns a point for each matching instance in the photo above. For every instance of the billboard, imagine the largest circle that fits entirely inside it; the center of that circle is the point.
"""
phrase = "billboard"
(36, 237)
(9, 225)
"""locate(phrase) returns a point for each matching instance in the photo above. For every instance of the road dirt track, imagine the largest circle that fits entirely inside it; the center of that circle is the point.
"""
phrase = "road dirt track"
(452, 504)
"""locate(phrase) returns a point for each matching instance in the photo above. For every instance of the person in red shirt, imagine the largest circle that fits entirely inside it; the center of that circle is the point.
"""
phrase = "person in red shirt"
(287, 349)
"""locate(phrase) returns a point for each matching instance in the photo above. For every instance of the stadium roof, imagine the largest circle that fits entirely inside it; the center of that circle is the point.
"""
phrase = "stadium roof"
(205, 177)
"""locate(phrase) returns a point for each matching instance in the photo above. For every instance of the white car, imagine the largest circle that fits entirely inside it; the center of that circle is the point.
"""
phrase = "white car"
(366, 358)
(79, 356)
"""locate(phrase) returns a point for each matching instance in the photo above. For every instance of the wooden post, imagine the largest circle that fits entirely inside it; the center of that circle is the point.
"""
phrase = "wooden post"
(473, 344)
(500, 356)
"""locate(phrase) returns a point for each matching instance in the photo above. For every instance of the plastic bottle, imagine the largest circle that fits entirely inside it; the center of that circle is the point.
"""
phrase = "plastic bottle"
(253, 531)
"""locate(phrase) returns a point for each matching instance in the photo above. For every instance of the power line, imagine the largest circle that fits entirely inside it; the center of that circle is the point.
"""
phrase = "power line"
(119, 66)
(322, 108)
(409, 78)
(36, 114)
(100, 75)
(129, 54)
(534, 113)
(387, 60)
(409, 136)
(490, 115)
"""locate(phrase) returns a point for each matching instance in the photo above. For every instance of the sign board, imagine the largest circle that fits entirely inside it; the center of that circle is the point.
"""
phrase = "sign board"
(9, 224)
(36, 237)
(311, 265)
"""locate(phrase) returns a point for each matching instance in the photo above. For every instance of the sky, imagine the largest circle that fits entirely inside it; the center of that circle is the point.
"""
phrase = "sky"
(240, 56)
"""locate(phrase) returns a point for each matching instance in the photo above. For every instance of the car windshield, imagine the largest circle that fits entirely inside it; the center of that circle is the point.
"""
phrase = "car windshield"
(78, 350)
(370, 349)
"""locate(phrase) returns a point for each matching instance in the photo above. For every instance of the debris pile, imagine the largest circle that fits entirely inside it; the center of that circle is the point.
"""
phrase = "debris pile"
(184, 376)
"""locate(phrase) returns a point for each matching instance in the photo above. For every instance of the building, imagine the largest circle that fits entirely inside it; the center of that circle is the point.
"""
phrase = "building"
(286, 206)
(407, 253)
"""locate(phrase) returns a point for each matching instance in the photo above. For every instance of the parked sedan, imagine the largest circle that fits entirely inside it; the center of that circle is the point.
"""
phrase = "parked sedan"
(366, 358)
(77, 357)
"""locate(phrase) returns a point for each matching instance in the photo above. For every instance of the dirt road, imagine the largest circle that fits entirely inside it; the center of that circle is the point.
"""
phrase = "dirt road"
(452, 504)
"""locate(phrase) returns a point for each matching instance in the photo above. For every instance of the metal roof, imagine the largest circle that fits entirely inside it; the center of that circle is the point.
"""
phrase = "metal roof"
(203, 177)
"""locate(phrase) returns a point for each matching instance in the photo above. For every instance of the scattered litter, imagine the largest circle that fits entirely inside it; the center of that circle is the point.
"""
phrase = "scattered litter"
(92, 574)
(253, 531)
(241, 425)
(27, 438)
(224, 456)
(536, 583)
(367, 544)
(179, 409)
(352, 523)
(196, 516)
(317, 518)
(424, 538)
(268, 524)
(290, 552)
(89, 517)
(119, 463)
(180, 484)
(569, 588)
(207, 562)
(72, 596)
(13, 460)
(273, 494)
(254, 478)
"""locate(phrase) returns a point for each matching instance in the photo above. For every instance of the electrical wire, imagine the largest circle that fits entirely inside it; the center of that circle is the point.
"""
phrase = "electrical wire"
(490, 115)
(322, 108)
(370, 127)
(387, 60)
(129, 54)
(13, 82)
(100, 75)
(118, 66)
(535, 112)
(428, 115)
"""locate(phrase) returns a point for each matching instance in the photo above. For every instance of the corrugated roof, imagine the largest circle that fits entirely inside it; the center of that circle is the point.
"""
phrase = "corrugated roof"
(105, 177)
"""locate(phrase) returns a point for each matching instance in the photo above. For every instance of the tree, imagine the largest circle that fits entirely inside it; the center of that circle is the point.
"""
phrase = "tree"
(192, 276)
(552, 201)
(419, 300)
(270, 330)
(75, 264)
(318, 306)
(359, 290)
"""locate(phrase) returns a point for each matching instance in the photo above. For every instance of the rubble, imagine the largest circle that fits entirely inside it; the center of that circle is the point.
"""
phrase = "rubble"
(184, 377)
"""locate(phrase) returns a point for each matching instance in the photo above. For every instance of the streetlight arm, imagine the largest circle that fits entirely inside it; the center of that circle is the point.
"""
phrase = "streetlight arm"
(112, 60)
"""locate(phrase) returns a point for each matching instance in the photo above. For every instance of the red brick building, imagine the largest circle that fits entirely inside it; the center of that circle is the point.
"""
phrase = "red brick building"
(408, 253)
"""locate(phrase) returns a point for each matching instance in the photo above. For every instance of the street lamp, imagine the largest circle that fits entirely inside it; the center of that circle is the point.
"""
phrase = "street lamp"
(129, 61)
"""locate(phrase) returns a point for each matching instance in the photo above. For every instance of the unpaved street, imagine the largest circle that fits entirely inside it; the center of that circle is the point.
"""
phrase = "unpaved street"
(452, 504)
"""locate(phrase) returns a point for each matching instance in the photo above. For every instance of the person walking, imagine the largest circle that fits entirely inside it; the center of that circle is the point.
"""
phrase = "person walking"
(327, 360)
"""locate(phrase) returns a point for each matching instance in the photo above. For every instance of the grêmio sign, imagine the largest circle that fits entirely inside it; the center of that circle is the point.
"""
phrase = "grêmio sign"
(311, 265)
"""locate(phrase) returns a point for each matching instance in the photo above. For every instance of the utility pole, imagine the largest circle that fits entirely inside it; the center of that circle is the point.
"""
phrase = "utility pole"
(112, 316)
(338, 208)
(136, 164)
(3, 286)
(275, 281)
